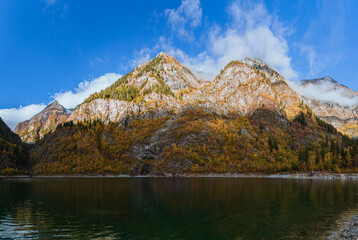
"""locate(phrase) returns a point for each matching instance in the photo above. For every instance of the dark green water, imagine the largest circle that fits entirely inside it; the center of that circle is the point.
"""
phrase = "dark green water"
(190, 208)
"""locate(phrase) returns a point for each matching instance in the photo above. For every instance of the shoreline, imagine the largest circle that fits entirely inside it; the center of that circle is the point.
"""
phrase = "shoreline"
(346, 226)
(303, 176)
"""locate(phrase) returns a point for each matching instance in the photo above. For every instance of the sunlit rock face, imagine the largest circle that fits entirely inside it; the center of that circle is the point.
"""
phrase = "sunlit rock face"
(163, 87)
(42, 123)
(241, 89)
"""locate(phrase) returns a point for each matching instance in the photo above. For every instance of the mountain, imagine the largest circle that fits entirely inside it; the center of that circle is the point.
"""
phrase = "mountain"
(332, 102)
(160, 119)
(242, 88)
(163, 86)
(42, 123)
(13, 153)
(155, 87)
(164, 77)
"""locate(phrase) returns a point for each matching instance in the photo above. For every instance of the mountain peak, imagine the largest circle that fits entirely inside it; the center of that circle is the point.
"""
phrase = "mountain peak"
(326, 90)
(253, 61)
(42, 123)
(163, 58)
(323, 80)
(163, 75)
(54, 106)
(54, 103)
(163, 54)
(328, 78)
(258, 64)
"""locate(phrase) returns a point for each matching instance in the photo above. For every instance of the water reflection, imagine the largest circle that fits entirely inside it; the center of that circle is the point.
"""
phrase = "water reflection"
(141, 208)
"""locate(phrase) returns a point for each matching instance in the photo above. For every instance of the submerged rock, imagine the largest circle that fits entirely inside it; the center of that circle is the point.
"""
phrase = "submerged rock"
(348, 232)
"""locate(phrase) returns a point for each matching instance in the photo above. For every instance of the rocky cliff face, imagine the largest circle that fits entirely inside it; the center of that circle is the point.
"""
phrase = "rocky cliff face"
(242, 88)
(42, 123)
(153, 89)
(163, 86)
(332, 102)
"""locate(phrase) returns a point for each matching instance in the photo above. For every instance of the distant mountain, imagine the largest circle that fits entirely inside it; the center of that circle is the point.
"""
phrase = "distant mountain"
(331, 101)
(161, 119)
(328, 90)
(42, 123)
(13, 153)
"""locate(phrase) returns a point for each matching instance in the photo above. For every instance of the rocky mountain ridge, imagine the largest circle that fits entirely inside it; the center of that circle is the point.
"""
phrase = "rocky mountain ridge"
(239, 89)
(163, 86)
(328, 84)
(160, 119)
(42, 123)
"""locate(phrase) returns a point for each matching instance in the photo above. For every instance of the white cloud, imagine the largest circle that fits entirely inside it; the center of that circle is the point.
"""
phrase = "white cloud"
(250, 32)
(203, 62)
(12, 116)
(325, 91)
(248, 16)
(259, 42)
(187, 15)
(71, 99)
(310, 52)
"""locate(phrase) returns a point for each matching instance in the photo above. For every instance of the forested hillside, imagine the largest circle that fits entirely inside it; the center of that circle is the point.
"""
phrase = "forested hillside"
(197, 142)
(14, 157)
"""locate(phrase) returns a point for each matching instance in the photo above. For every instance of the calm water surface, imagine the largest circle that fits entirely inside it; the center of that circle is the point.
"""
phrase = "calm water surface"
(190, 208)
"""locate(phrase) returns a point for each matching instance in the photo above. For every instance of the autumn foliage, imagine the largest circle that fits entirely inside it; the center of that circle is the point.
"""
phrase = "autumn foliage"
(197, 142)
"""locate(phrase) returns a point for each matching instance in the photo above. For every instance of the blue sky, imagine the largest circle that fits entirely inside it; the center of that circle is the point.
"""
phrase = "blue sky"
(65, 50)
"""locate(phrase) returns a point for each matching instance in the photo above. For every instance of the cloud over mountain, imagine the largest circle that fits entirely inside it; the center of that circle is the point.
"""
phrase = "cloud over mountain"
(250, 31)
(325, 90)
(12, 116)
(187, 16)
(69, 99)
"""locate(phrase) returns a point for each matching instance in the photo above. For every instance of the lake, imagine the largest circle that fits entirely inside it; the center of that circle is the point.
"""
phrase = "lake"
(172, 208)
